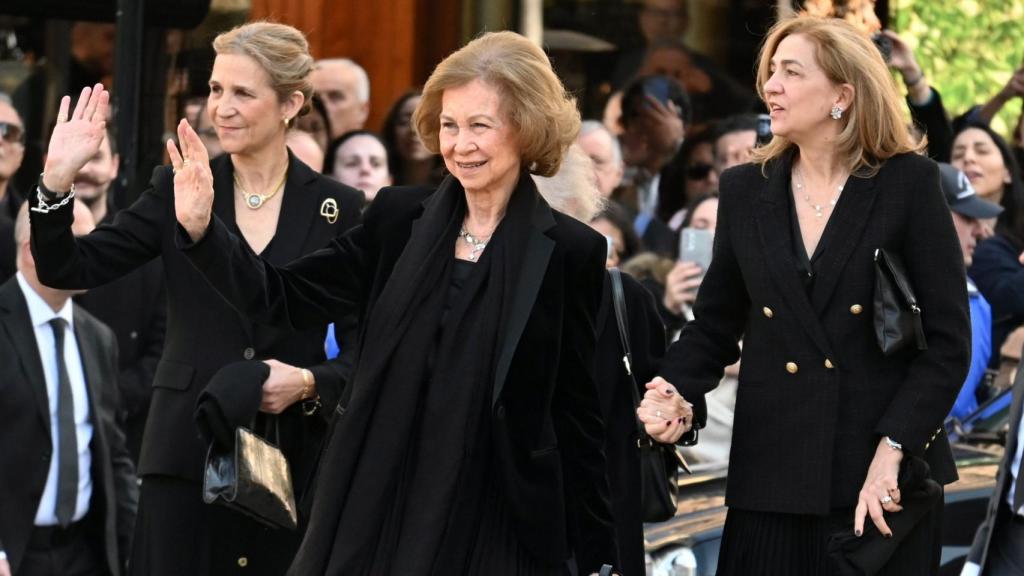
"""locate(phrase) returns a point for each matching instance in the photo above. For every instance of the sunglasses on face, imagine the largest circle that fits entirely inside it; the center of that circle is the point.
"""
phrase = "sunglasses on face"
(698, 171)
(12, 133)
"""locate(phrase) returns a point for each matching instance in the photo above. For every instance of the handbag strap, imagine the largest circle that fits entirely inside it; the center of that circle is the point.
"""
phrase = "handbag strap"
(619, 303)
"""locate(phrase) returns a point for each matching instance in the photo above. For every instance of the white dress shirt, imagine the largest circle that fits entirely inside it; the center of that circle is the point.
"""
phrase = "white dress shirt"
(41, 314)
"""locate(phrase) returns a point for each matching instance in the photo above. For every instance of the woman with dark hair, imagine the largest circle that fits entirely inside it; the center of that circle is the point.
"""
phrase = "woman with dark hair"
(360, 160)
(316, 122)
(996, 269)
(409, 162)
(614, 223)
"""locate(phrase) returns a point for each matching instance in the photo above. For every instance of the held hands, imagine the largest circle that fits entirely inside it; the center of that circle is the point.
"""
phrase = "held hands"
(283, 387)
(76, 138)
(681, 286)
(193, 182)
(665, 414)
(880, 491)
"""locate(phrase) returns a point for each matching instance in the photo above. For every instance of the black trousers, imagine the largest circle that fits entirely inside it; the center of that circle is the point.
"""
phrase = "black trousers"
(54, 551)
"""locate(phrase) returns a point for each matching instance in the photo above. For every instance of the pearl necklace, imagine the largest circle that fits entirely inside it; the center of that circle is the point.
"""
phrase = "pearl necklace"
(819, 209)
(476, 243)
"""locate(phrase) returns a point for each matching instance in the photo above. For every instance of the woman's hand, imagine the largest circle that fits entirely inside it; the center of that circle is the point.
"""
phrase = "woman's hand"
(76, 138)
(193, 182)
(665, 414)
(681, 286)
(880, 491)
(282, 388)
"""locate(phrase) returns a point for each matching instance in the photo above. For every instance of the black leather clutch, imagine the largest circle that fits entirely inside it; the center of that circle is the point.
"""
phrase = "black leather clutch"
(897, 315)
(253, 479)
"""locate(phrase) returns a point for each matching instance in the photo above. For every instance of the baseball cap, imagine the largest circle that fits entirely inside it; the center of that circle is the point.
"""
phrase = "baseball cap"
(962, 198)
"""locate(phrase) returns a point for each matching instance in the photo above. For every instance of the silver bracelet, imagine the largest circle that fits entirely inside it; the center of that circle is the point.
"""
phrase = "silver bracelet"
(893, 444)
(44, 208)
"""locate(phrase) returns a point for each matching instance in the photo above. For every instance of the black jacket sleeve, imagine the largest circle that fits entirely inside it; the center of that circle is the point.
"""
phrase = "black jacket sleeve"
(932, 118)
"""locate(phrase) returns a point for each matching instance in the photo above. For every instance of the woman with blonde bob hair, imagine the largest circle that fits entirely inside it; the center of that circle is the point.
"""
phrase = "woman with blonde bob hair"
(470, 439)
(838, 452)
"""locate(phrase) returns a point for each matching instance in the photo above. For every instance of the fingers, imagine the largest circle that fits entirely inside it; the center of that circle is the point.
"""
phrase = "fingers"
(186, 151)
(174, 155)
(196, 148)
(875, 511)
(93, 104)
(83, 101)
(62, 112)
(655, 383)
(858, 516)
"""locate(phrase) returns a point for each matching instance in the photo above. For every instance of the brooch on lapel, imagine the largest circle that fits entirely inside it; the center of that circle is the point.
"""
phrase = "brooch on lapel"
(329, 210)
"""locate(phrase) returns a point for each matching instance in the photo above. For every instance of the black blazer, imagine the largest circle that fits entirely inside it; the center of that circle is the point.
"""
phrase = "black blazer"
(25, 444)
(203, 332)
(135, 308)
(547, 425)
(815, 392)
(982, 538)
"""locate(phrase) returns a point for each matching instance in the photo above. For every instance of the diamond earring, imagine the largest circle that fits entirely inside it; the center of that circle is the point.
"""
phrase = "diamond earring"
(836, 113)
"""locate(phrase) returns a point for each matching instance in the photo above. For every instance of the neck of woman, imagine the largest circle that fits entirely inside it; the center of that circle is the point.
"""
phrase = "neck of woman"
(261, 169)
(821, 162)
(485, 209)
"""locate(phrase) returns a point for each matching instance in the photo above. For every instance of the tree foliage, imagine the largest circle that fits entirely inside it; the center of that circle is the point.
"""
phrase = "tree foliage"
(967, 48)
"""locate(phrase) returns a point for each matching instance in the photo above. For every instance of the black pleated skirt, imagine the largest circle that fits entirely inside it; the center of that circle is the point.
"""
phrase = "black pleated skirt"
(776, 544)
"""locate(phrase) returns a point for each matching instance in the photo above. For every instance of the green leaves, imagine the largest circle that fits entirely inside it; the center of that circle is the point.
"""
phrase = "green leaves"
(968, 49)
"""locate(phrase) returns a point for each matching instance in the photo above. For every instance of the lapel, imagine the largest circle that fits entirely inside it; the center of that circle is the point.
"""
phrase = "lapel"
(842, 234)
(1016, 412)
(535, 262)
(91, 356)
(21, 334)
(299, 208)
(773, 224)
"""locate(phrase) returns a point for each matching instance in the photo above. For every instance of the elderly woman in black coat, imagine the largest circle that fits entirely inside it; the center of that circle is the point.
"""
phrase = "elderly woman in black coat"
(471, 439)
(823, 418)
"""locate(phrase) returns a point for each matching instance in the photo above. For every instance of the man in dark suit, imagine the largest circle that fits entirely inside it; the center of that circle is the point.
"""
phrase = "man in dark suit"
(67, 486)
(998, 548)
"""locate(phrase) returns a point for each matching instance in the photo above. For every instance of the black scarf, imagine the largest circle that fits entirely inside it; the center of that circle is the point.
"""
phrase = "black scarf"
(418, 397)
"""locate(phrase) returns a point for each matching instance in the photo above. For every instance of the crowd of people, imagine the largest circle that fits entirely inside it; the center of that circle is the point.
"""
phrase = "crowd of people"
(421, 319)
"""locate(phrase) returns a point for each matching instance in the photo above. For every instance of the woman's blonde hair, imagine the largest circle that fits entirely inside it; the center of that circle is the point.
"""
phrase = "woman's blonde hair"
(534, 99)
(573, 189)
(280, 50)
(873, 128)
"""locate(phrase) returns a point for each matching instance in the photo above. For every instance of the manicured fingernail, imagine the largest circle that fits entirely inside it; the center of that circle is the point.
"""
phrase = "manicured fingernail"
(680, 420)
(668, 392)
(888, 535)
(857, 532)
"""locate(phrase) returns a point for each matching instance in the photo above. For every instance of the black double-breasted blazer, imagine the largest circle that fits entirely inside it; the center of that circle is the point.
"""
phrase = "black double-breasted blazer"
(546, 422)
(26, 448)
(203, 332)
(815, 392)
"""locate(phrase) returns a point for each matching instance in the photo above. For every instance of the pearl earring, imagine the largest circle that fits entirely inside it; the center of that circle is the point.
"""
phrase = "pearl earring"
(285, 120)
(836, 113)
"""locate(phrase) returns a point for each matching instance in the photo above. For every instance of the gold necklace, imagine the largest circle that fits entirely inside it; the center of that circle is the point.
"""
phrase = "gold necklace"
(253, 200)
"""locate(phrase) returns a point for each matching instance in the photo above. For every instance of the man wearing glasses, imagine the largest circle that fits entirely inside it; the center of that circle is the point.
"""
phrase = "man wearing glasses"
(12, 151)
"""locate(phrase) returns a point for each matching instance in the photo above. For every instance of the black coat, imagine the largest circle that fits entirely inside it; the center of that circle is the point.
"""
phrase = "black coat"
(25, 444)
(547, 428)
(815, 392)
(647, 345)
(135, 308)
(979, 549)
(203, 332)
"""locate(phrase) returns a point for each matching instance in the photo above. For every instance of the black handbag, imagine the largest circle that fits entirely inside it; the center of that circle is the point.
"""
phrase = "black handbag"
(253, 478)
(659, 463)
(897, 315)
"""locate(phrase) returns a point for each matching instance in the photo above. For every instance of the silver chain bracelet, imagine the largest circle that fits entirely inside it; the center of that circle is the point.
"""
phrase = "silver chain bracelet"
(44, 208)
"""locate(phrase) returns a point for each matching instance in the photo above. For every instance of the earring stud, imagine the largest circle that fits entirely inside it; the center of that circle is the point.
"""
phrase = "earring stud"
(836, 113)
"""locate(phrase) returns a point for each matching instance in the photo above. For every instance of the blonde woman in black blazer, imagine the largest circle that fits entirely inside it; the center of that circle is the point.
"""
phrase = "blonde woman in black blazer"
(259, 84)
(823, 418)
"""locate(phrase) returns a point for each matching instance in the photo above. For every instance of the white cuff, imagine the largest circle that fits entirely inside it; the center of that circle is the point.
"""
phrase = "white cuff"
(970, 569)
